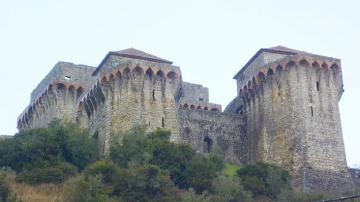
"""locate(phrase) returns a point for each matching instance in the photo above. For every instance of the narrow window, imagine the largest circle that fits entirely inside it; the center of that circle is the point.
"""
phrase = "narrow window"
(312, 111)
(317, 86)
(162, 122)
(153, 94)
(149, 123)
(207, 145)
(67, 77)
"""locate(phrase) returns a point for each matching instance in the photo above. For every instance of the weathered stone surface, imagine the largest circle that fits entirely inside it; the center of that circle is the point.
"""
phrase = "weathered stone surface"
(209, 131)
(286, 110)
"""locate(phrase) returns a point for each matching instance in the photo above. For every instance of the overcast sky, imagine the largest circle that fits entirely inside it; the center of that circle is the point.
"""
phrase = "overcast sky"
(209, 40)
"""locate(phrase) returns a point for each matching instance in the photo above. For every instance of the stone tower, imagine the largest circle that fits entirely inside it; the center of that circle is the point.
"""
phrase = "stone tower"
(285, 112)
(56, 95)
(290, 102)
(131, 88)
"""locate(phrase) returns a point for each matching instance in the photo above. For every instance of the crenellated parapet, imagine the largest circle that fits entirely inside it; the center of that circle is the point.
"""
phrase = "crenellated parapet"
(45, 108)
(56, 95)
(267, 72)
(289, 100)
(202, 106)
(285, 112)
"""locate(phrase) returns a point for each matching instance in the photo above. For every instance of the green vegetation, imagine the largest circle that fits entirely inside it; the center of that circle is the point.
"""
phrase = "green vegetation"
(4, 188)
(230, 169)
(264, 179)
(6, 195)
(48, 154)
(142, 167)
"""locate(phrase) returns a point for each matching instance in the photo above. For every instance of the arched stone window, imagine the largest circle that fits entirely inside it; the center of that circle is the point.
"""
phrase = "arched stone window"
(118, 75)
(249, 84)
(104, 79)
(192, 107)
(335, 69)
(261, 77)
(214, 110)
(304, 63)
(111, 77)
(186, 105)
(290, 64)
(71, 92)
(315, 64)
(160, 74)
(138, 71)
(79, 91)
(172, 75)
(149, 72)
(208, 144)
(60, 86)
(198, 107)
(270, 72)
(206, 108)
(279, 69)
(126, 73)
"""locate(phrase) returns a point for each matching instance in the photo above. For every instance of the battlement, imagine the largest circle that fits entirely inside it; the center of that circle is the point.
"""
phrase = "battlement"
(268, 61)
(131, 61)
(66, 72)
(286, 111)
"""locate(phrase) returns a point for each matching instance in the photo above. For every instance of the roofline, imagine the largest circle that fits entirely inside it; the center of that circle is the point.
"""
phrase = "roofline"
(129, 56)
(257, 54)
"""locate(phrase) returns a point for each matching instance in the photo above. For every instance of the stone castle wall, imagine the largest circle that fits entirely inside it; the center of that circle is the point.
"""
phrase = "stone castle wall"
(213, 131)
(130, 94)
(286, 111)
(293, 118)
(56, 95)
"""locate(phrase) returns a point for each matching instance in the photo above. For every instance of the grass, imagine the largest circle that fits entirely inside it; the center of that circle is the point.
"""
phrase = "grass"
(230, 169)
(38, 193)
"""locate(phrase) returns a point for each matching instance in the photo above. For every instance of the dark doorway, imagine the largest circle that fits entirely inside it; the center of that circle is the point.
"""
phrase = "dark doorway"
(207, 144)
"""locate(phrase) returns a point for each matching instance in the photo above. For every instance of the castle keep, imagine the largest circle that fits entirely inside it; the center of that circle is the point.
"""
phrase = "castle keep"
(285, 112)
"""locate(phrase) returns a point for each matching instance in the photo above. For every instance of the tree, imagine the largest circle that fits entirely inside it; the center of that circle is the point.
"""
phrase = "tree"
(48, 154)
(264, 179)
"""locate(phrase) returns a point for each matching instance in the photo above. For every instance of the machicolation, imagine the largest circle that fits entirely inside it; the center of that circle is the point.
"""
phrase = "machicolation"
(285, 112)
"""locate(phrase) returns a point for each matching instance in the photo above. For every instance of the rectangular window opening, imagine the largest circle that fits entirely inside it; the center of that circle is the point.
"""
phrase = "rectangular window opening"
(317, 86)
(312, 111)
(201, 99)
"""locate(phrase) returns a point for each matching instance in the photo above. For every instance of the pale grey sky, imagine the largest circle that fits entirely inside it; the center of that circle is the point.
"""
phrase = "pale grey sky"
(210, 40)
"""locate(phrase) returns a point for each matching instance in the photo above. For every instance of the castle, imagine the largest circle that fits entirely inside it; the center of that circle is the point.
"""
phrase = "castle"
(285, 112)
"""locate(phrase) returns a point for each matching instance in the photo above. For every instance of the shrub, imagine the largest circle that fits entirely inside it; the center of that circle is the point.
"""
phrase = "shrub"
(264, 179)
(229, 188)
(48, 154)
(185, 168)
(53, 174)
(85, 188)
(4, 188)
(200, 172)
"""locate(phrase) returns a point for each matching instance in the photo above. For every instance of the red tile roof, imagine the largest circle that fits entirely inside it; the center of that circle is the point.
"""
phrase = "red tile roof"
(138, 54)
(135, 54)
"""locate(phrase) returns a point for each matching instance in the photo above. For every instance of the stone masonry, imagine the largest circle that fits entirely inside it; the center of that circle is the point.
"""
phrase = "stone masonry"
(286, 110)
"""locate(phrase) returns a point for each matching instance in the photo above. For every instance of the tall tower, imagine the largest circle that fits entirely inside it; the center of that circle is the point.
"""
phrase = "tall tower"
(290, 102)
(56, 95)
(131, 88)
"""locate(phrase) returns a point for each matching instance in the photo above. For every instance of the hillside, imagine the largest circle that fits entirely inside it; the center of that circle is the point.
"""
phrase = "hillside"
(61, 163)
